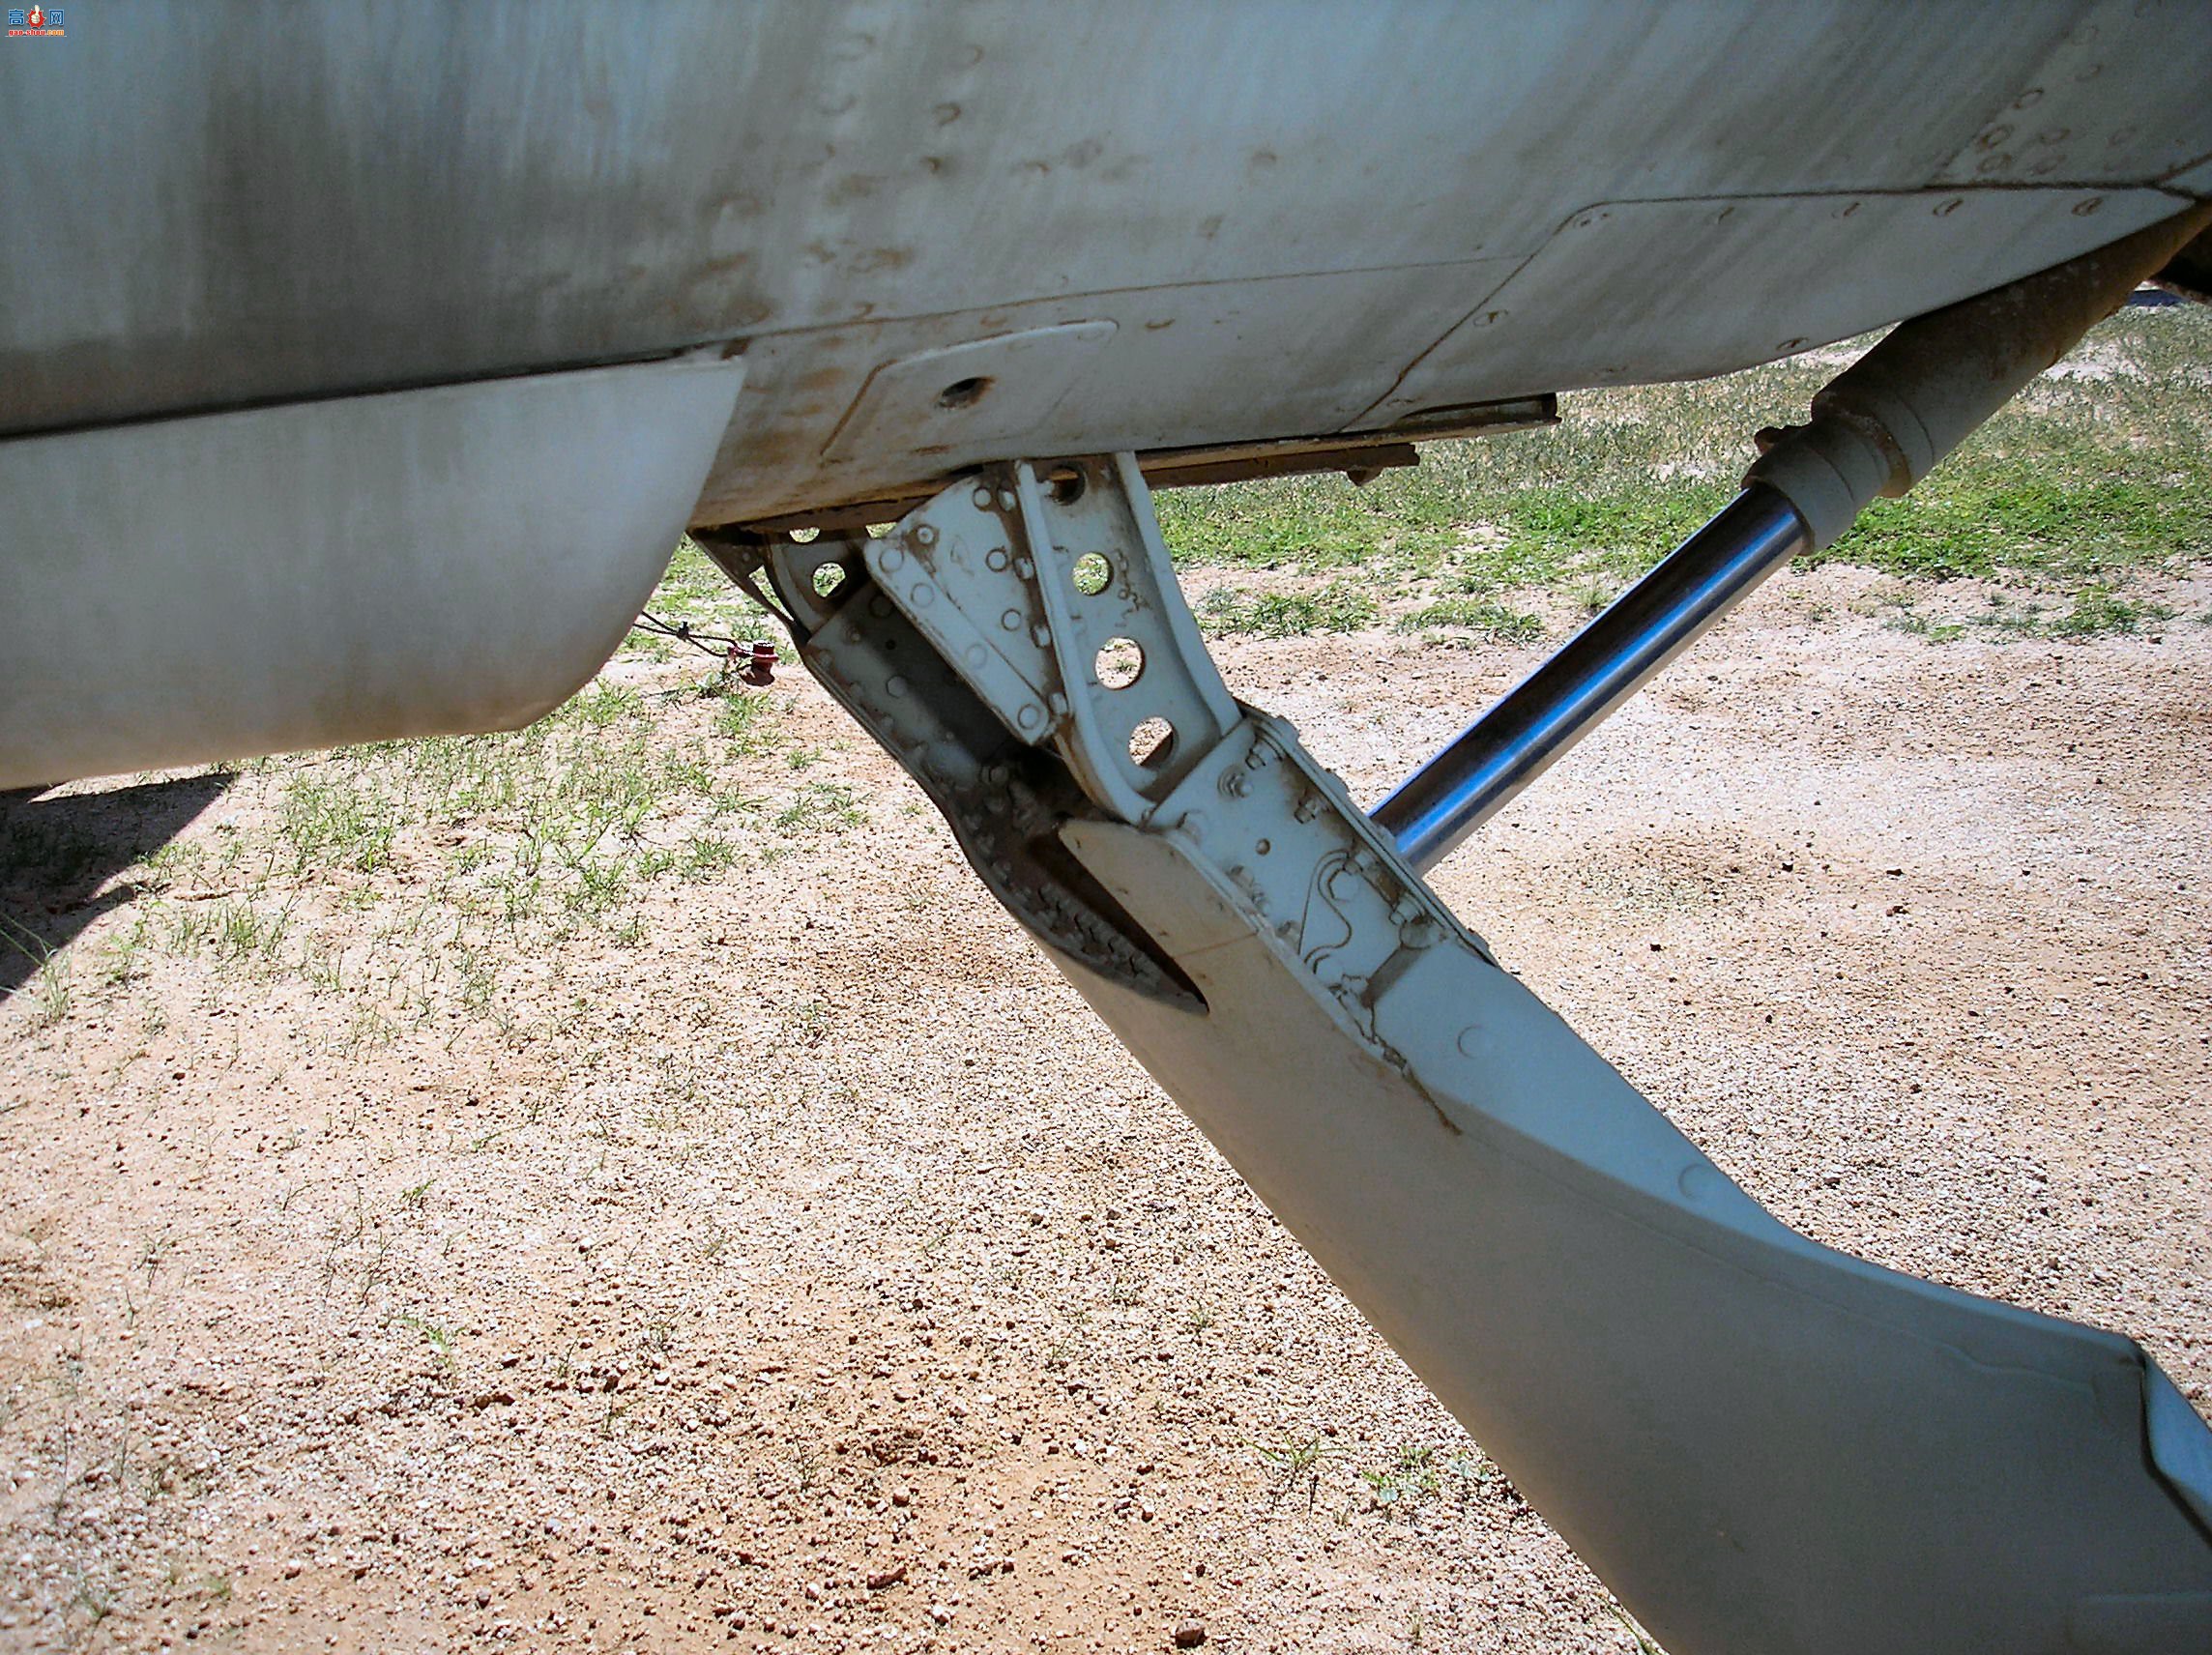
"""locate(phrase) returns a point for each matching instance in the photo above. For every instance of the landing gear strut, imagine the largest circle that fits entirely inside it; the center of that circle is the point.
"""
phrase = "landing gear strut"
(1761, 1445)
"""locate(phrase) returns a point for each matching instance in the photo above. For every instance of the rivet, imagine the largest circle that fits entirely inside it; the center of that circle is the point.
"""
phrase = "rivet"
(1007, 500)
(973, 655)
(925, 533)
(1011, 619)
(1040, 635)
(895, 686)
(1030, 716)
(996, 558)
(892, 560)
(1025, 568)
(921, 594)
(982, 499)
(1262, 848)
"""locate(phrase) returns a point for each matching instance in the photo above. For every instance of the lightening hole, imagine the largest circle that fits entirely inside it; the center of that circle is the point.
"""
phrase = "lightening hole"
(1119, 664)
(827, 580)
(1151, 742)
(1092, 573)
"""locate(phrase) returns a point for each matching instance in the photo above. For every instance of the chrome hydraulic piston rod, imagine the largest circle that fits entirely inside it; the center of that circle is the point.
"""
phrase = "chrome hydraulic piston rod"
(1878, 429)
(1594, 672)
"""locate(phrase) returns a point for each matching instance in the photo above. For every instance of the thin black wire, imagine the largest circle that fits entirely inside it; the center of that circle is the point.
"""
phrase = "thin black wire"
(704, 643)
(717, 643)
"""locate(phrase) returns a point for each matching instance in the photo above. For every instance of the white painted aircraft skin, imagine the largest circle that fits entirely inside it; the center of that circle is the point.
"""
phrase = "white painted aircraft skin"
(1152, 225)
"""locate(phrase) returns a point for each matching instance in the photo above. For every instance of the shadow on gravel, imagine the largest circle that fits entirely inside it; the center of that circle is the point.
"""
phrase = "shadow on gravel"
(56, 854)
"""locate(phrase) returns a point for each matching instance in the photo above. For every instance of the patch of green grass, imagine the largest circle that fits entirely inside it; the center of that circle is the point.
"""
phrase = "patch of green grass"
(2089, 481)
(601, 705)
(820, 806)
(750, 724)
(707, 854)
(238, 931)
(439, 1339)
(1293, 1462)
(334, 817)
(50, 987)
(1338, 607)
(1477, 615)
(2096, 612)
(1295, 523)
(1411, 1476)
(1990, 519)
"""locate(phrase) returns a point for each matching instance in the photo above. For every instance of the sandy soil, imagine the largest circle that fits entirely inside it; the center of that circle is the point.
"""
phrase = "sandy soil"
(819, 1276)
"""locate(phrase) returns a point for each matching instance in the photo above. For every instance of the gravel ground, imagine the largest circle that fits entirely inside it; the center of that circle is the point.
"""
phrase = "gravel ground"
(810, 1273)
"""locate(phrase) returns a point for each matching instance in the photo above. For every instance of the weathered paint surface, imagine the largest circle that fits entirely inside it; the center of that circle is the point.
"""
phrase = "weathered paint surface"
(1294, 218)
(458, 558)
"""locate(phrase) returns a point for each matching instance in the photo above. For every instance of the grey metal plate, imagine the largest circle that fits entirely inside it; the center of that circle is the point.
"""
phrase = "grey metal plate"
(1763, 1448)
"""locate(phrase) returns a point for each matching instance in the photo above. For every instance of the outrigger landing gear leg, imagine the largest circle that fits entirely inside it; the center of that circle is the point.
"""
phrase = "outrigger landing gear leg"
(1762, 1446)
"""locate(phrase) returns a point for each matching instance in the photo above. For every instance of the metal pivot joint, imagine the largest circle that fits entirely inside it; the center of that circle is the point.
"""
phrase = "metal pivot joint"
(1760, 1445)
